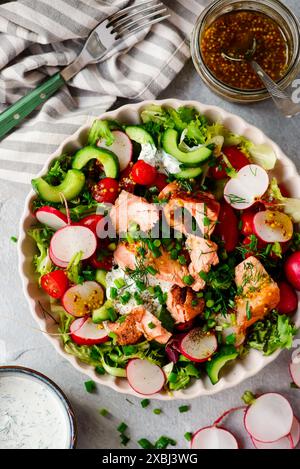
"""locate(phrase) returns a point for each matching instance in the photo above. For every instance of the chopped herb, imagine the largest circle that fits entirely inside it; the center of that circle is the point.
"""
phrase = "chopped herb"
(182, 260)
(151, 325)
(151, 270)
(145, 444)
(248, 311)
(122, 427)
(90, 386)
(112, 314)
(184, 408)
(210, 303)
(104, 412)
(14, 239)
(163, 442)
(188, 436)
(157, 243)
(194, 303)
(100, 370)
(124, 439)
(145, 403)
(174, 254)
(125, 298)
(120, 283)
(113, 293)
(140, 285)
(188, 279)
(138, 299)
(230, 339)
(157, 411)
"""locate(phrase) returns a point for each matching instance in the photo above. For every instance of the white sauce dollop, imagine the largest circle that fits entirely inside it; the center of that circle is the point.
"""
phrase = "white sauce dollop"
(164, 162)
(31, 415)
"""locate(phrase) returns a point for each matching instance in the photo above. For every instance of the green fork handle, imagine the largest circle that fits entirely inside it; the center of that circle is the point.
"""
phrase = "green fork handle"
(16, 113)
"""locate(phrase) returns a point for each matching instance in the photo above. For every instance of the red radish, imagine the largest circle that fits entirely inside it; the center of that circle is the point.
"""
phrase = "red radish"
(295, 373)
(145, 377)
(288, 298)
(198, 346)
(227, 228)
(56, 261)
(55, 283)
(292, 269)
(269, 418)
(213, 438)
(250, 183)
(287, 442)
(247, 223)
(273, 226)
(91, 222)
(121, 147)
(51, 217)
(68, 241)
(85, 332)
(81, 300)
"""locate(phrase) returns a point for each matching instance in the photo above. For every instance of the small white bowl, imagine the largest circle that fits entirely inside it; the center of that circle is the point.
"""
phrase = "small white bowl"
(285, 171)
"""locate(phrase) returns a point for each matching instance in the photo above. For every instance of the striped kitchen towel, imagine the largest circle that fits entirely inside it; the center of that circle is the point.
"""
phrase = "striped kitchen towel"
(38, 37)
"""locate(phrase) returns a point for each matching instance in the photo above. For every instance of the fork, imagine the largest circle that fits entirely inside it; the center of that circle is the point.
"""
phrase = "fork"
(109, 33)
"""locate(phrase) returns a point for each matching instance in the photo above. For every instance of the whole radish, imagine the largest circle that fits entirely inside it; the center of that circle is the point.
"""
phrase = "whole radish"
(292, 269)
(288, 298)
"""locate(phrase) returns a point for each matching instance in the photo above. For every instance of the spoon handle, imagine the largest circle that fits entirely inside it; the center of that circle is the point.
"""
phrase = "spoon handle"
(282, 101)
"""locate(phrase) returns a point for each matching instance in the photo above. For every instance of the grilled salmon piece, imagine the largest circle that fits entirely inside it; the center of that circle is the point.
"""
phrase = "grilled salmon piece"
(158, 332)
(183, 209)
(129, 209)
(138, 323)
(179, 304)
(258, 293)
(129, 332)
(168, 270)
(203, 254)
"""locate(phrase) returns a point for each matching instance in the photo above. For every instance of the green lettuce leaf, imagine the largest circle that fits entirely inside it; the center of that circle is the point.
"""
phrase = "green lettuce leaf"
(101, 130)
(42, 236)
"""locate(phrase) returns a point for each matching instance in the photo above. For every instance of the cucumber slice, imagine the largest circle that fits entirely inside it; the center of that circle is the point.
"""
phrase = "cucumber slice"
(170, 145)
(219, 360)
(138, 134)
(101, 314)
(107, 158)
(71, 186)
(189, 173)
(101, 277)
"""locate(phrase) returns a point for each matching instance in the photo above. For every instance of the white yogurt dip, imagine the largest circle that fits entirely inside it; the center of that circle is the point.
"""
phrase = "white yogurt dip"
(32, 416)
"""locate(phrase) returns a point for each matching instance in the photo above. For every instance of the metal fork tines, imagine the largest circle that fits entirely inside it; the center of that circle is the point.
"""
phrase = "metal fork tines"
(137, 17)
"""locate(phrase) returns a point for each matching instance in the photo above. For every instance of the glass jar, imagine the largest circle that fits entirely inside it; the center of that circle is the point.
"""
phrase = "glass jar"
(275, 10)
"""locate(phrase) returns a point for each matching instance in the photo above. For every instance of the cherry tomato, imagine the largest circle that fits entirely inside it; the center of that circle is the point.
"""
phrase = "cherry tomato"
(55, 283)
(126, 181)
(236, 158)
(91, 222)
(247, 223)
(227, 228)
(292, 269)
(102, 259)
(288, 298)
(107, 190)
(143, 173)
(160, 181)
(259, 246)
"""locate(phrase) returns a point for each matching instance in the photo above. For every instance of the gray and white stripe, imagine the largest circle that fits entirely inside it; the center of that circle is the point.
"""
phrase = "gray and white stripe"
(38, 37)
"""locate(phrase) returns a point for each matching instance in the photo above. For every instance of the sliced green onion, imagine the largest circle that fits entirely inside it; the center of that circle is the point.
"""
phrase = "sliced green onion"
(90, 386)
(120, 282)
(184, 408)
(145, 403)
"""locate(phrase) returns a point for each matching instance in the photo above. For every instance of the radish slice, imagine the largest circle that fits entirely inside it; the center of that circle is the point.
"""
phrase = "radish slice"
(51, 217)
(68, 241)
(269, 418)
(243, 190)
(213, 438)
(198, 346)
(56, 261)
(81, 300)
(272, 226)
(122, 148)
(295, 373)
(85, 332)
(145, 377)
(287, 442)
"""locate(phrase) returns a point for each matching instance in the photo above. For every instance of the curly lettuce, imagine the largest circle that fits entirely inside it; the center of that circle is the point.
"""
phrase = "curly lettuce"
(42, 236)
(290, 206)
(102, 130)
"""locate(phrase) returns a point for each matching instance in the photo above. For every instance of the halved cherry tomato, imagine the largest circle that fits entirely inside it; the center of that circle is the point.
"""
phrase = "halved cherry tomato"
(236, 158)
(91, 222)
(55, 283)
(247, 223)
(126, 181)
(143, 173)
(160, 181)
(227, 228)
(102, 259)
(107, 190)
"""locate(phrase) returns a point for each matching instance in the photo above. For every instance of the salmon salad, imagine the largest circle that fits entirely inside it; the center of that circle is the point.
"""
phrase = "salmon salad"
(168, 249)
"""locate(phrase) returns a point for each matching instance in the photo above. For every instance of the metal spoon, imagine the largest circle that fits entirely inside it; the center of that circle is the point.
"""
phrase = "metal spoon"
(282, 101)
